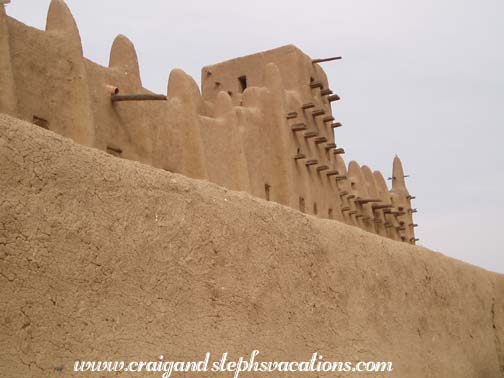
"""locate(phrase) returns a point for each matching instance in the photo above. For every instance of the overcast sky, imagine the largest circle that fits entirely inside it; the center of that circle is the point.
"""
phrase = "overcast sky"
(421, 79)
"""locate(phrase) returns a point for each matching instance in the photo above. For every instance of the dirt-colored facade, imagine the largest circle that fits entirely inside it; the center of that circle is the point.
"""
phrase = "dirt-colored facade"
(261, 124)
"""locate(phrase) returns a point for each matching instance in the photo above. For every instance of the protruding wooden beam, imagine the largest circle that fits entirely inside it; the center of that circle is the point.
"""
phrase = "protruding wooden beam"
(291, 115)
(311, 162)
(336, 125)
(381, 207)
(413, 225)
(330, 146)
(367, 200)
(299, 156)
(308, 105)
(328, 119)
(410, 197)
(412, 211)
(316, 84)
(137, 97)
(352, 212)
(333, 97)
(318, 112)
(310, 134)
(343, 177)
(414, 240)
(339, 151)
(326, 59)
(321, 168)
(332, 173)
(320, 140)
(325, 92)
(343, 193)
(298, 127)
(351, 195)
(345, 208)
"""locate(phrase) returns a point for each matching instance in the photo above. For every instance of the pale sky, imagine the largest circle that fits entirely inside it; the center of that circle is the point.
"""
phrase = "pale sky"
(421, 79)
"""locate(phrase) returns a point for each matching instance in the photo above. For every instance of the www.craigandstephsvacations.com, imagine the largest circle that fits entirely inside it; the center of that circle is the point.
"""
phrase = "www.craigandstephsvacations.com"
(252, 363)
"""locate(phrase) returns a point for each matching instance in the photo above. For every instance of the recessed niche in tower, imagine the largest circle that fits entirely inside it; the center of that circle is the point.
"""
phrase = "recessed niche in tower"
(44, 123)
(242, 80)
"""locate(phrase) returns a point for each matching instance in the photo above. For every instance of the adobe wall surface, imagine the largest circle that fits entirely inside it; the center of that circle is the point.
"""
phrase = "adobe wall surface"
(272, 138)
(105, 258)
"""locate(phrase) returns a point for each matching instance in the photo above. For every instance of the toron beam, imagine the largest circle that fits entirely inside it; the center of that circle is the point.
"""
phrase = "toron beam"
(291, 115)
(410, 197)
(325, 92)
(320, 140)
(414, 239)
(299, 156)
(380, 207)
(343, 193)
(318, 112)
(336, 125)
(330, 146)
(350, 196)
(352, 212)
(334, 97)
(332, 173)
(316, 84)
(328, 119)
(346, 208)
(308, 105)
(310, 134)
(298, 127)
(413, 225)
(367, 200)
(311, 162)
(321, 168)
(137, 97)
(326, 59)
(339, 151)
(412, 210)
(343, 177)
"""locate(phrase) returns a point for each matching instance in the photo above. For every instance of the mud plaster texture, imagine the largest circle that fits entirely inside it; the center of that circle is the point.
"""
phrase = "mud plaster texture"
(105, 258)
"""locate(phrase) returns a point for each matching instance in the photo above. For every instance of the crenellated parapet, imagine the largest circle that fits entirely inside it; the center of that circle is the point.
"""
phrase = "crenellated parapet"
(261, 123)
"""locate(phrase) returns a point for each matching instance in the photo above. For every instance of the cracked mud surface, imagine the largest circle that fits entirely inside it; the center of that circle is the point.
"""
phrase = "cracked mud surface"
(102, 258)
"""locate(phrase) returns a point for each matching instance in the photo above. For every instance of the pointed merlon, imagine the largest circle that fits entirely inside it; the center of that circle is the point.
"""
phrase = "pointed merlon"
(320, 140)
(311, 162)
(298, 127)
(308, 105)
(398, 182)
(333, 97)
(336, 125)
(318, 112)
(325, 92)
(310, 134)
(326, 59)
(183, 86)
(60, 20)
(124, 57)
(316, 84)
